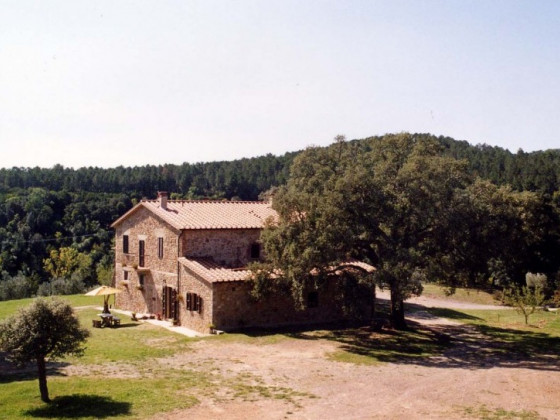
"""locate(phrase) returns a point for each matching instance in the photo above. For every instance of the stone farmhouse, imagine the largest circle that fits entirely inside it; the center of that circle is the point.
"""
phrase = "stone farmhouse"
(187, 261)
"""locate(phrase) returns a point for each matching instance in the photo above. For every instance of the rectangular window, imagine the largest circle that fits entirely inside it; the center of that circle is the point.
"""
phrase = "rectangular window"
(160, 247)
(125, 244)
(141, 247)
(194, 302)
(255, 251)
(125, 275)
(141, 279)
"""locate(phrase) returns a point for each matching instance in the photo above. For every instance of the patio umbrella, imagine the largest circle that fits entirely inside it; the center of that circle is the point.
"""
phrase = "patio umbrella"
(106, 292)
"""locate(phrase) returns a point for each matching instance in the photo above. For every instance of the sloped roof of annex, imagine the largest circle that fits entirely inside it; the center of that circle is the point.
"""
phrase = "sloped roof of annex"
(212, 272)
(194, 214)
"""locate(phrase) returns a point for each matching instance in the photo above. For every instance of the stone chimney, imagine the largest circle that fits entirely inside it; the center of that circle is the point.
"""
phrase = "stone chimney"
(162, 198)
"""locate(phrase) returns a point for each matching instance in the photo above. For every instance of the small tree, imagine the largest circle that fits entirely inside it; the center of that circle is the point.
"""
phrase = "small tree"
(535, 280)
(47, 327)
(526, 300)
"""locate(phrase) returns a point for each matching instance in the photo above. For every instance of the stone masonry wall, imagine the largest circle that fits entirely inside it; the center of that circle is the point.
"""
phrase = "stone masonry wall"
(228, 247)
(143, 225)
(234, 308)
(190, 283)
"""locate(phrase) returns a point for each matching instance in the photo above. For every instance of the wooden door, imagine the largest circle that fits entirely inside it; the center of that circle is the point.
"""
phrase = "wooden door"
(169, 303)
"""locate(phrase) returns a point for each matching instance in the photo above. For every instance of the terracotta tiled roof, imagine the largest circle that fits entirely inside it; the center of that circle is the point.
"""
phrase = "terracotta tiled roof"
(215, 273)
(359, 264)
(209, 214)
(212, 272)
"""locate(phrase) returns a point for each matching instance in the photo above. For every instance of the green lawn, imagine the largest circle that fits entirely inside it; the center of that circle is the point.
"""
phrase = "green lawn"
(540, 322)
(119, 375)
(459, 294)
(10, 307)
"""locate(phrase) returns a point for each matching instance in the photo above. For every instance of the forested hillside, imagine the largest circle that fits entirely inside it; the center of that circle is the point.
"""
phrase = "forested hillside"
(54, 223)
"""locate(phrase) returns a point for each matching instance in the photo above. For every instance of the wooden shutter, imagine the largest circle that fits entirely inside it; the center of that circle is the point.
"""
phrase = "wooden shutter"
(189, 301)
(141, 247)
(173, 304)
(199, 304)
(125, 244)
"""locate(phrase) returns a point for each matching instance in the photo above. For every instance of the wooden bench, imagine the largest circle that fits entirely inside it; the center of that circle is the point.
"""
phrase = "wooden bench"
(116, 321)
(96, 323)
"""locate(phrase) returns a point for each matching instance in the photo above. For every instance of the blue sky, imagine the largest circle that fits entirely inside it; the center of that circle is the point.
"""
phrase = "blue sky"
(106, 83)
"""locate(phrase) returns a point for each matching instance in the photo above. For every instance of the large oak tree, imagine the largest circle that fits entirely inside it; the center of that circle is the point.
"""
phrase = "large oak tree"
(393, 202)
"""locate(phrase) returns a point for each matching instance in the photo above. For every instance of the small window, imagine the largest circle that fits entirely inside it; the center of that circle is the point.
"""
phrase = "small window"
(312, 299)
(125, 275)
(160, 247)
(194, 302)
(255, 251)
(141, 279)
(125, 244)
(141, 254)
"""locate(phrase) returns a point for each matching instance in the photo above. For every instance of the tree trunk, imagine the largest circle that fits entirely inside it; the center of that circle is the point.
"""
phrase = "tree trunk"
(43, 379)
(397, 311)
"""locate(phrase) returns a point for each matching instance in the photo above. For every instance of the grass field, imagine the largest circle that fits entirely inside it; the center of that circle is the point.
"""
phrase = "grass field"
(459, 294)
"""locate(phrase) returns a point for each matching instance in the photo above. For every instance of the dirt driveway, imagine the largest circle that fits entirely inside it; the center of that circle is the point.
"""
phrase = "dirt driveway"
(472, 378)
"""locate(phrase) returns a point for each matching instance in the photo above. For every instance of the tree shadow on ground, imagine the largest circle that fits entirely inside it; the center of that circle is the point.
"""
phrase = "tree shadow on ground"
(78, 405)
(449, 346)
(445, 345)
(10, 373)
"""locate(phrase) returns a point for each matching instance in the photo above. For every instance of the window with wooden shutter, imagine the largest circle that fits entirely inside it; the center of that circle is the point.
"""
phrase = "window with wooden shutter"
(199, 304)
(195, 302)
(160, 247)
(141, 250)
(189, 301)
(125, 244)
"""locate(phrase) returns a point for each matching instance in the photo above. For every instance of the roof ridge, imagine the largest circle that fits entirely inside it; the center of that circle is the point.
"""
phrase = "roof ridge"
(155, 200)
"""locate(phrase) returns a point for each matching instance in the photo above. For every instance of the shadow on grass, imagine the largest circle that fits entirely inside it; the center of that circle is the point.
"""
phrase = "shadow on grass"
(77, 405)
(442, 313)
(470, 345)
(10, 373)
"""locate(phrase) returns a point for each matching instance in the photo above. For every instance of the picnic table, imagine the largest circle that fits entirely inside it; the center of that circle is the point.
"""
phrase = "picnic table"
(107, 320)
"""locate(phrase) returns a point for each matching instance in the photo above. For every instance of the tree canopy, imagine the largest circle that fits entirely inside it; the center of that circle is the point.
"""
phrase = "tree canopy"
(47, 327)
(400, 204)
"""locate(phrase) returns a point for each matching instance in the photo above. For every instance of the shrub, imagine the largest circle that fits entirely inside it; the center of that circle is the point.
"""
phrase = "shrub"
(61, 286)
(535, 280)
(17, 287)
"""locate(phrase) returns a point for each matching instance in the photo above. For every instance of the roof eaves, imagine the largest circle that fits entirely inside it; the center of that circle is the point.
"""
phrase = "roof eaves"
(127, 214)
(134, 209)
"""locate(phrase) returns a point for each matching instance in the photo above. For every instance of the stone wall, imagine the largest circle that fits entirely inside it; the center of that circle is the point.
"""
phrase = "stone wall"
(234, 308)
(191, 283)
(143, 225)
(228, 247)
